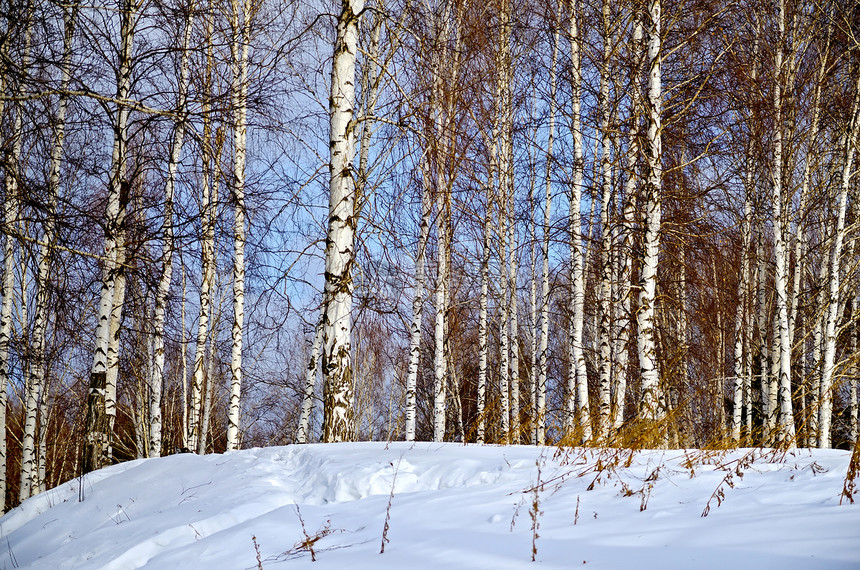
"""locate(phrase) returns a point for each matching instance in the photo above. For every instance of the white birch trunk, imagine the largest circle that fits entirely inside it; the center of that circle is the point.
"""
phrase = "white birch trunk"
(534, 316)
(338, 414)
(115, 330)
(183, 359)
(417, 314)
(211, 375)
(444, 70)
(33, 386)
(543, 349)
(504, 301)
(626, 242)
(741, 313)
(855, 369)
(783, 392)
(241, 32)
(304, 430)
(576, 404)
(101, 399)
(211, 153)
(35, 394)
(651, 406)
(39, 480)
(817, 344)
(768, 422)
(514, 336)
(440, 325)
(800, 244)
(833, 284)
(7, 284)
(604, 401)
(483, 344)
(163, 288)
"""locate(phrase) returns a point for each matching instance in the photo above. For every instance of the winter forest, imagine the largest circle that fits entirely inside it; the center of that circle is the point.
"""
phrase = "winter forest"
(624, 223)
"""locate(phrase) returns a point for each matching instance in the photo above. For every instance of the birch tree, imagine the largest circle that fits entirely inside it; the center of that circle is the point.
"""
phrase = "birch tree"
(11, 215)
(11, 205)
(781, 340)
(101, 398)
(418, 313)
(240, 30)
(849, 148)
(304, 430)
(210, 154)
(651, 406)
(338, 421)
(30, 480)
(605, 256)
(577, 408)
(628, 213)
(483, 305)
(161, 294)
(541, 386)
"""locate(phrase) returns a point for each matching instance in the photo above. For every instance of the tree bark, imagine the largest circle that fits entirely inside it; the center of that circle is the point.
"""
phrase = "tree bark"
(101, 406)
(576, 407)
(338, 413)
(651, 406)
(157, 380)
(604, 400)
(849, 146)
(240, 23)
(304, 431)
(629, 213)
(543, 348)
(786, 418)
(211, 154)
(34, 381)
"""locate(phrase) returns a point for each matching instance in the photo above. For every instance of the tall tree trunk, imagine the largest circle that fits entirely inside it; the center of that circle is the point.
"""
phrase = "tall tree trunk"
(651, 406)
(742, 312)
(183, 360)
(786, 417)
(240, 25)
(7, 283)
(800, 240)
(849, 146)
(417, 314)
(768, 420)
(35, 378)
(504, 307)
(514, 336)
(35, 394)
(338, 414)
(629, 212)
(854, 379)
(604, 401)
(534, 316)
(483, 344)
(440, 325)
(543, 349)
(157, 380)
(576, 408)
(211, 156)
(101, 398)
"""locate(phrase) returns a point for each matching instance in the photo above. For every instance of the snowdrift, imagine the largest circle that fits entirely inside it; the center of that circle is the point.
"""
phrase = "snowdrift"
(448, 506)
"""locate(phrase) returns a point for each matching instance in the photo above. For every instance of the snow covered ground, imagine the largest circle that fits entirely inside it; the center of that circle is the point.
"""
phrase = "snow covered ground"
(453, 506)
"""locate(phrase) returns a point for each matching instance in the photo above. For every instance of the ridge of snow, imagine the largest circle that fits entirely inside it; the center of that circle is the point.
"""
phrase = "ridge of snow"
(453, 505)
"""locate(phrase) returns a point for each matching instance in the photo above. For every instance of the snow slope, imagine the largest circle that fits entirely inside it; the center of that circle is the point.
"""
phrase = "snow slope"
(453, 506)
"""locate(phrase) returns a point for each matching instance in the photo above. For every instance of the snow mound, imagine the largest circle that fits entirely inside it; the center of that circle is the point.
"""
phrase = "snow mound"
(448, 505)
